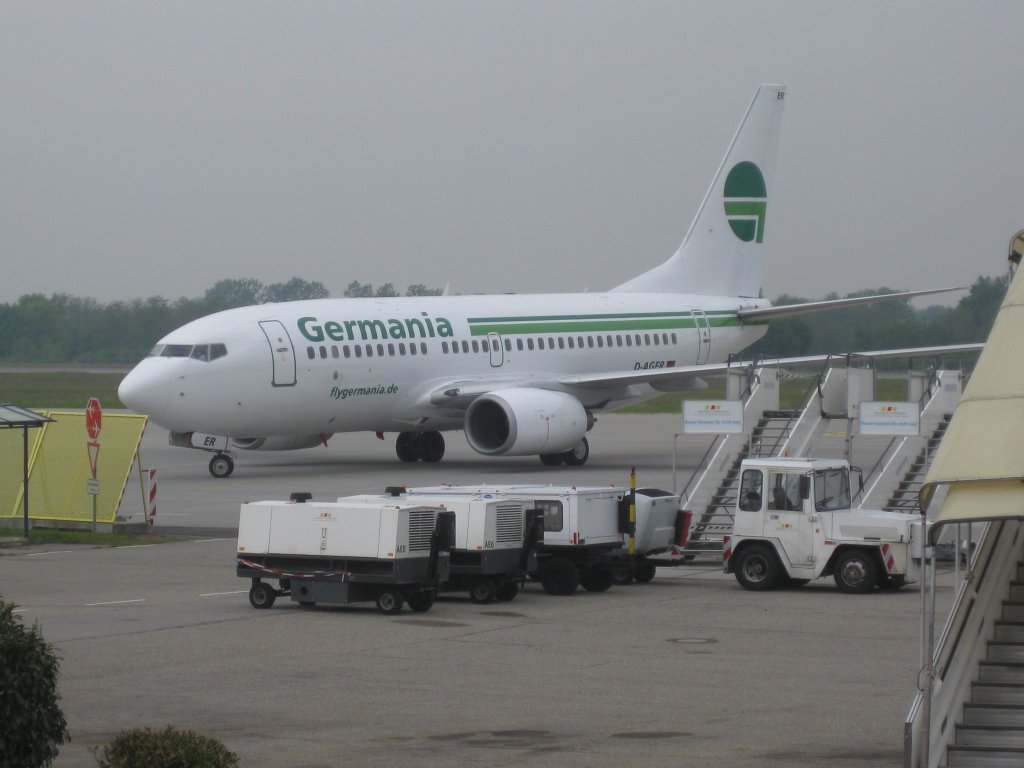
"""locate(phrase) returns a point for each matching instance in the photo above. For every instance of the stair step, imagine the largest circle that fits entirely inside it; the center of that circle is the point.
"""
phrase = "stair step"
(984, 757)
(1017, 590)
(1000, 672)
(989, 736)
(1000, 650)
(1013, 610)
(997, 693)
(1009, 631)
(994, 714)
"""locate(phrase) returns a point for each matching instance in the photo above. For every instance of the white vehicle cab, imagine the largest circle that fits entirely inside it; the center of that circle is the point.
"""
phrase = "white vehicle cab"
(793, 523)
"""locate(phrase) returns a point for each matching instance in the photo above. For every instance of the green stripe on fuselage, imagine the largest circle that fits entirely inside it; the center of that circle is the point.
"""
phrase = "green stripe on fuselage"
(651, 321)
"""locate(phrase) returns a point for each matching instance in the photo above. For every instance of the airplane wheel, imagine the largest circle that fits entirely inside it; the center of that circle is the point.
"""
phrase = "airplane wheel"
(221, 465)
(431, 447)
(551, 459)
(407, 446)
(577, 457)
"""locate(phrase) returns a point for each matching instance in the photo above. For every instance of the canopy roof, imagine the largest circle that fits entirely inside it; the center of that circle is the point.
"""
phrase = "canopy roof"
(982, 455)
(15, 416)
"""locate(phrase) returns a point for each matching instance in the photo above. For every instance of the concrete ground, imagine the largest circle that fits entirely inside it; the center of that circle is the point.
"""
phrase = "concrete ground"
(689, 670)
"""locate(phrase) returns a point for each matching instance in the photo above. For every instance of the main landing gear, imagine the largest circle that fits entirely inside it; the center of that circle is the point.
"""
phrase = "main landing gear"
(574, 457)
(420, 446)
(222, 465)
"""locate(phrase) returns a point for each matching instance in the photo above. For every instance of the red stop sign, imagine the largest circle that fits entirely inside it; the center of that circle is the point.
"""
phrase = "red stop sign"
(93, 418)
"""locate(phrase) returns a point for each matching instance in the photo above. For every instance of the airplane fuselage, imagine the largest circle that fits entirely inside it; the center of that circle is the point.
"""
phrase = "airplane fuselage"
(342, 365)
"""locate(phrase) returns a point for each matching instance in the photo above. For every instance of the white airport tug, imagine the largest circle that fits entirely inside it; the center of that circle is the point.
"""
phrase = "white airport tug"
(793, 523)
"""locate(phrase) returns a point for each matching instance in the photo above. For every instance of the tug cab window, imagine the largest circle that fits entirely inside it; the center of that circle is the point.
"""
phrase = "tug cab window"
(750, 491)
(784, 493)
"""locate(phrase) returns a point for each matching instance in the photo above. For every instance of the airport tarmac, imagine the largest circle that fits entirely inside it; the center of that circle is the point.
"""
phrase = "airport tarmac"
(689, 670)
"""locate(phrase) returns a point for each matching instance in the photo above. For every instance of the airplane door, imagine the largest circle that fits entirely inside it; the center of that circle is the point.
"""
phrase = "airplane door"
(497, 352)
(282, 352)
(703, 327)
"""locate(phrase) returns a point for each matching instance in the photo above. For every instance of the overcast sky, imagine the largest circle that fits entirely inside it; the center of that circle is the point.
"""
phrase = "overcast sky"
(153, 148)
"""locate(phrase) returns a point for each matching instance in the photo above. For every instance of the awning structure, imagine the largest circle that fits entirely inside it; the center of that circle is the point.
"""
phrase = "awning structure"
(981, 457)
(16, 417)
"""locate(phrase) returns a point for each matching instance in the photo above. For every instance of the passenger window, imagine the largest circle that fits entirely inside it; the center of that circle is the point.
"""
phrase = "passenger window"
(750, 491)
(476, 346)
(465, 347)
(391, 350)
(540, 343)
(423, 347)
(311, 353)
(401, 348)
(629, 340)
(334, 352)
(380, 350)
(369, 350)
(323, 352)
(519, 344)
(412, 349)
(444, 347)
(346, 351)
(508, 345)
(359, 350)
(561, 342)
(600, 342)
(529, 343)
(570, 342)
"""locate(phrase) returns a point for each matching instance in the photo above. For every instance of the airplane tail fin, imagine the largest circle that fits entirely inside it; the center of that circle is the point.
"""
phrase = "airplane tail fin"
(723, 251)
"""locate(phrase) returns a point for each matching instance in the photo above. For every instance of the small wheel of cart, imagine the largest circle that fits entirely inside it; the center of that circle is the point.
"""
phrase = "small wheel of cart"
(507, 591)
(261, 595)
(483, 591)
(389, 602)
(645, 571)
(622, 575)
(421, 601)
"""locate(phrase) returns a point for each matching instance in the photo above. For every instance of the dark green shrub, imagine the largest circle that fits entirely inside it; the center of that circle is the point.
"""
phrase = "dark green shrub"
(169, 748)
(32, 724)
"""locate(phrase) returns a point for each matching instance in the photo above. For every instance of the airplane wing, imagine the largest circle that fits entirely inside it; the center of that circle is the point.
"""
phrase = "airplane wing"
(699, 371)
(458, 394)
(789, 310)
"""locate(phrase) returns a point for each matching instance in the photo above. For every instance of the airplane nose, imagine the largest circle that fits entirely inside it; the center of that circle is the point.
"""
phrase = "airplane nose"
(145, 389)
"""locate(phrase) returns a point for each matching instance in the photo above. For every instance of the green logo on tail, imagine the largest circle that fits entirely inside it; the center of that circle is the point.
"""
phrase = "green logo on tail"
(746, 199)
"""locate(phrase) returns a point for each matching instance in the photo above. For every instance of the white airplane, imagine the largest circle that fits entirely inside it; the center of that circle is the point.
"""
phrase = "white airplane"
(519, 374)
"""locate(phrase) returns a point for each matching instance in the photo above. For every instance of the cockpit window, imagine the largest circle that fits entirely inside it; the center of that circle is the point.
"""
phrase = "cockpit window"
(204, 352)
(176, 350)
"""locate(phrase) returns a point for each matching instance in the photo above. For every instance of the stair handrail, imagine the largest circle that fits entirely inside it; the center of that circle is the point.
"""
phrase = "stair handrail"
(962, 644)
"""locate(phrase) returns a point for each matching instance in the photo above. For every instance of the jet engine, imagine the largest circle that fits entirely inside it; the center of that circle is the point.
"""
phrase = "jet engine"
(289, 443)
(521, 422)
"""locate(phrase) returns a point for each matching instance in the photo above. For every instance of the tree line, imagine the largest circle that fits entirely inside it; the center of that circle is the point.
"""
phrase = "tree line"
(65, 329)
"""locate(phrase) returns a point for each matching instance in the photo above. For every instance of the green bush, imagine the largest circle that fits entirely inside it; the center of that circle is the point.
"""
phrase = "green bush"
(32, 724)
(170, 748)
